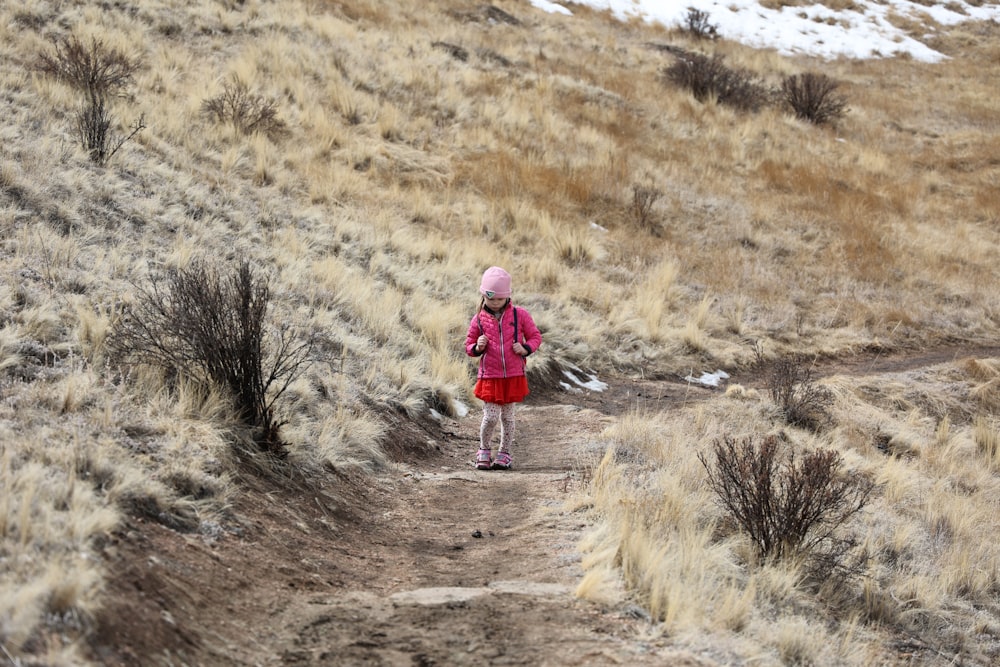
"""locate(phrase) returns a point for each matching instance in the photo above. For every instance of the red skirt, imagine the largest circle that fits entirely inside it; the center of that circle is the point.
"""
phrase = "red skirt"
(502, 390)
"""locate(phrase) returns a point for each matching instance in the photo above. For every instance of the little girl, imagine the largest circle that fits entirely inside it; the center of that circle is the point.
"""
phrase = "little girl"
(501, 335)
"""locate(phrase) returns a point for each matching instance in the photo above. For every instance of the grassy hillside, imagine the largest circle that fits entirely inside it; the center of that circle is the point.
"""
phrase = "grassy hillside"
(417, 143)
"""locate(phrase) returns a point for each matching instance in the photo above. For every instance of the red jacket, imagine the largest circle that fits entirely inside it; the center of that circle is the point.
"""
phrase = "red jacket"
(499, 360)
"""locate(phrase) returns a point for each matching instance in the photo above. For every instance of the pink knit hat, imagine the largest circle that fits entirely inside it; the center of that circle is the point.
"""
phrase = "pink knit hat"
(496, 283)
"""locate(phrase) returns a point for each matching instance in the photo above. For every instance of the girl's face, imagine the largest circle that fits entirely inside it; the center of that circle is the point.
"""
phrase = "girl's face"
(495, 302)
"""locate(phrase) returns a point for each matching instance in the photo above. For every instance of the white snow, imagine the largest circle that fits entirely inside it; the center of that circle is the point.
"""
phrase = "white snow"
(863, 31)
(708, 379)
(551, 7)
(591, 382)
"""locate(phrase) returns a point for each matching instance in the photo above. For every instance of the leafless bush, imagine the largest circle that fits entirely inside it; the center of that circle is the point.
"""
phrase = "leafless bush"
(802, 402)
(812, 98)
(709, 77)
(100, 73)
(93, 124)
(698, 73)
(696, 22)
(210, 328)
(786, 506)
(247, 112)
(97, 69)
(643, 199)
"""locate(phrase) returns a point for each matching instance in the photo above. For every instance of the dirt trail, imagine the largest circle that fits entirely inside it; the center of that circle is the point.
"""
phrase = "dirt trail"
(435, 563)
(475, 568)
(431, 563)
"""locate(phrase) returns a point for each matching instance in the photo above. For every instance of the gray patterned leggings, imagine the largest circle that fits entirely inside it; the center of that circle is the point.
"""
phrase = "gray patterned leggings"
(492, 414)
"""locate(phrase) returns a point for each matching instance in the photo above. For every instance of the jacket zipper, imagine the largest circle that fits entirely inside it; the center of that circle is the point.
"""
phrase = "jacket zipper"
(503, 350)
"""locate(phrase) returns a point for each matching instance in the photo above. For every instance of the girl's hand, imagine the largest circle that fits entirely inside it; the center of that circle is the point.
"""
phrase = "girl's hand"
(519, 350)
(481, 343)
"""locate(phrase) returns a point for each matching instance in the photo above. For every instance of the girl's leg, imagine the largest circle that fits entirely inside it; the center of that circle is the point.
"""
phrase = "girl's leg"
(491, 416)
(507, 427)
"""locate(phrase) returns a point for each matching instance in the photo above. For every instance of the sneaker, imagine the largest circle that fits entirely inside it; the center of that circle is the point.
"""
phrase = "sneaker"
(503, 462)
(483, 459)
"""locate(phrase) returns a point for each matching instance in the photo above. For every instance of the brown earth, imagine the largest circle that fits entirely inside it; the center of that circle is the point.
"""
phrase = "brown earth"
(431, 563)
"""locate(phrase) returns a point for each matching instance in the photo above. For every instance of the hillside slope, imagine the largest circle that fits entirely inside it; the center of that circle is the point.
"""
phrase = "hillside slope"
(652, 235)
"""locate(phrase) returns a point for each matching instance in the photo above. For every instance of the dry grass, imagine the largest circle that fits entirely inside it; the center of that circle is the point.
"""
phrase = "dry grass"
(402, 174)
(928, 575)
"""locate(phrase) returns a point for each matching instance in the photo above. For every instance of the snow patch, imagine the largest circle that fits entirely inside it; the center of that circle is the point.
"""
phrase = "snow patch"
(461, 410)
(708, 379)
(589, 381)
(863, 29)
(550, 7)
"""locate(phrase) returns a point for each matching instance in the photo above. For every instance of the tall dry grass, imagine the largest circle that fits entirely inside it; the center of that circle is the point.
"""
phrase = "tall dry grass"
(923, 572)
(404, 172)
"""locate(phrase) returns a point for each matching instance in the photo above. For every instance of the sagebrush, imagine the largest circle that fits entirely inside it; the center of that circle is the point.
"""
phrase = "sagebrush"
(101, 73)
(248, 112)
(793, 389)
(709, 77)
(696, 22)
(94, 68)
(812, 97)
(787, 505)
(211, 327)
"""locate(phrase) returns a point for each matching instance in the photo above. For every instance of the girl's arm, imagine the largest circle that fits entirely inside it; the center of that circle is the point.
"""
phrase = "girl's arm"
(530, 334)
(471, 337)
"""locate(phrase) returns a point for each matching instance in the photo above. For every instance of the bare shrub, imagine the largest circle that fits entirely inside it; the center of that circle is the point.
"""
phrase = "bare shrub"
(246, 111)
(210, 328)
(696, 22)
(812, 97)
(792, 388)
(93, 125)
(709, 77)
(786, 506)
(95, 69)
(697, 73)
(643, 199)
(101, 73)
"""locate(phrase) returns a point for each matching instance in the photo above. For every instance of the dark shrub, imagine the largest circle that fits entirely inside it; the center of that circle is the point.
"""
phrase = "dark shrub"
(643, 199)
(812, 98)
(247, 112)
(93, 125)
(96, 69)
(786, 506)
(802, 402)
(709, 77)
(100, 73)
(210, 328)
(696, 22)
